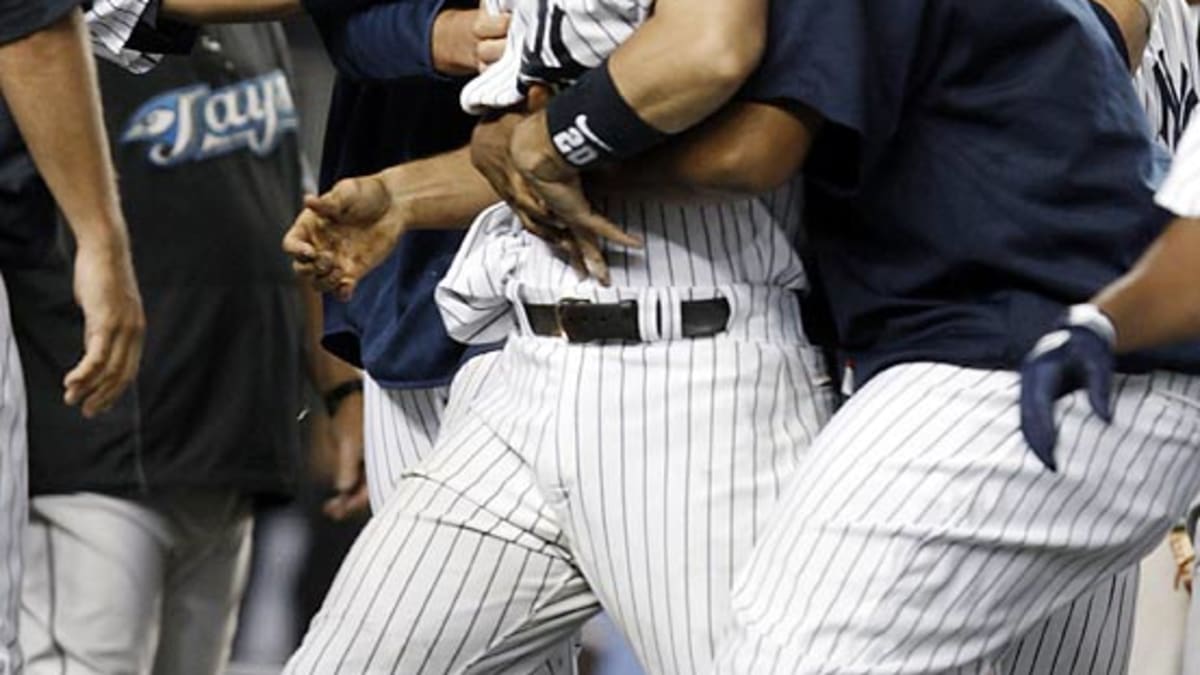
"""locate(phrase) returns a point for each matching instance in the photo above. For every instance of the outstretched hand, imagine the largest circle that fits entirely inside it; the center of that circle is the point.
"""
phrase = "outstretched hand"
(1073, 357)
(343, 234)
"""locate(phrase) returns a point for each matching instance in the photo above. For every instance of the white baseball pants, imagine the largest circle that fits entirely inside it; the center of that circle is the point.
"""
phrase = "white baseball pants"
(633, 476)
(400, 428)
(120, 586)
(923, 537)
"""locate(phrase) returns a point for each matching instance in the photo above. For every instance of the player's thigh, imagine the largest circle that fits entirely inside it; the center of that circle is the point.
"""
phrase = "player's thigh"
(1091, 636)
(461, 572)
(204, 582)
(400, 430)
(924, 536)
(91, 556)
(674, 456)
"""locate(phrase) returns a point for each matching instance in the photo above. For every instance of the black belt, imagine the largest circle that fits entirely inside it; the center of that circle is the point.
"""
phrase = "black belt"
(586, 321)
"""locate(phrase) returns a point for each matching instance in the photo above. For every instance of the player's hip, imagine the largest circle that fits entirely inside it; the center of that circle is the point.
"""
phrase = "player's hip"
(677, 391)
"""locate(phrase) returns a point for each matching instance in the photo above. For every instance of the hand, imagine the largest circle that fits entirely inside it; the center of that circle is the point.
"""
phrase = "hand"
(344, 234)
(1076, 356)
(557, 187)
(491, 147)
(349, 476)
(114, 326)
(1185, 557)
(491, 33)
(465, 41)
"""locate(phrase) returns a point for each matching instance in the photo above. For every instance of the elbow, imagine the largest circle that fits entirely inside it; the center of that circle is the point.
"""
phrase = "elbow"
(727, 58)
(747, 168)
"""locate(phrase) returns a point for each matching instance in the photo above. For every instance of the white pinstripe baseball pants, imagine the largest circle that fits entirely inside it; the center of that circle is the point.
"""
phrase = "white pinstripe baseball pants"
(400, 428)
(634, 476)
(14, 505)
(924, 538)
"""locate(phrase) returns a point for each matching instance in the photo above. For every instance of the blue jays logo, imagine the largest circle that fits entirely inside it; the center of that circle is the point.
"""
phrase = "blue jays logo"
(196, 123)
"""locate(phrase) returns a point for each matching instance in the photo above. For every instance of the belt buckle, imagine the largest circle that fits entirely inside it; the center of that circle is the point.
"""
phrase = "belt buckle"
(572, 324)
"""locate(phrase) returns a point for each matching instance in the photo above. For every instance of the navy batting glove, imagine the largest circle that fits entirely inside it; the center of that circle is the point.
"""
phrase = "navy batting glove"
(1077, 355)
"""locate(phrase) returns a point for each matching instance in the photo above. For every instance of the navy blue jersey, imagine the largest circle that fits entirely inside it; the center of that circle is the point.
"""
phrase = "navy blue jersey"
(981, 169)
(392, 327)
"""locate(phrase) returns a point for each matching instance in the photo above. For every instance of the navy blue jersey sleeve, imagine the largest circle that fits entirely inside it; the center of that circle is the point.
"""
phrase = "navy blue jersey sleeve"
(19, 18)
(322, 8)
(387, 41)
(852, 61)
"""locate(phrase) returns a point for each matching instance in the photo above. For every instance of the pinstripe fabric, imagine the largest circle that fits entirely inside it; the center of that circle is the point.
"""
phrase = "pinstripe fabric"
(401, 427)
(1091, 636)
(1167, 80)
(14, 505)
(110, 24)
(1180, 192)
(406, 599)
(741, 250)
(923, 536)
(637, 476)
(563, 37)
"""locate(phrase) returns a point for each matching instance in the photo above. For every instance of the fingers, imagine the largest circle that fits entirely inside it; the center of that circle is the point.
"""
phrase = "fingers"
(593, 257)
(120, 371)
(1038, 386)
(538, 97)
(602, 227)
(490, 32)
(490, 26)
(109, 363)
(83, 380)
(1099, 388)
(296, 242)
(336, 204)
(348, 505)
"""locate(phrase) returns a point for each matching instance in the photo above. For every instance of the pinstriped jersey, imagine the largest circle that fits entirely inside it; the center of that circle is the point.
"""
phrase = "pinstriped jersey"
(551, 42)
(1170, 67)
(1180, 193)
(727, 248)
(110, 25)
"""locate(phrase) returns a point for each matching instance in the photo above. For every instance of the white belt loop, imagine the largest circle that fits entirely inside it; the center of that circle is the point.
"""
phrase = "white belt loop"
(671, 309)
(512, 290)
(649, 323)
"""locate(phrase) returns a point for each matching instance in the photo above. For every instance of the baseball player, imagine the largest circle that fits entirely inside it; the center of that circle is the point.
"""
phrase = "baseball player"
(1046, 651)
(630, 464)
(965, 192)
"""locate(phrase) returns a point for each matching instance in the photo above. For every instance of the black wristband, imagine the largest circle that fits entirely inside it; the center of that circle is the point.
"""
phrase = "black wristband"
(334, 397)
(592, 123)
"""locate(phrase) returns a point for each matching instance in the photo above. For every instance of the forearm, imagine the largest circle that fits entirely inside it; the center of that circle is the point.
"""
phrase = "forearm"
(688, 59)
(1134, 22)
(49, 83)
(326, 371)
(745, 149)
(1158, 302)
(229, 11)
(439, 193)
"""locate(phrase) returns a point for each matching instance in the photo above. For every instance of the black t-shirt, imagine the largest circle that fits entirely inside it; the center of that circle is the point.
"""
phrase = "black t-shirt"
(207, 150)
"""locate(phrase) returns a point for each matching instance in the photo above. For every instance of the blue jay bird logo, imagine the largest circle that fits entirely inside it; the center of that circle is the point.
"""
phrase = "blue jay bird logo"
(195, 123)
